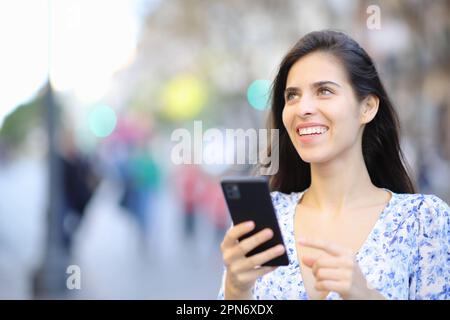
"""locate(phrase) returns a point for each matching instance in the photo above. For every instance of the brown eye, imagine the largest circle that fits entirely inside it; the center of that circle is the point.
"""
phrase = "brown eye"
(290, 96)
(324, 92)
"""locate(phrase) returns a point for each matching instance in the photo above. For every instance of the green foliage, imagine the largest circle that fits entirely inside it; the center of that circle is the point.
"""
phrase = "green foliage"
(18, 123)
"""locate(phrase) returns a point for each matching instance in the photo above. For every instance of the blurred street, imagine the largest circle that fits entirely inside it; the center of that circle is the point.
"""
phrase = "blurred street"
(22, 226)
(102, 162)
(114, 261)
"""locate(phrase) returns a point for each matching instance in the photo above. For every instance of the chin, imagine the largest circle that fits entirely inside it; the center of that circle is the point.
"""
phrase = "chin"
(313, 157)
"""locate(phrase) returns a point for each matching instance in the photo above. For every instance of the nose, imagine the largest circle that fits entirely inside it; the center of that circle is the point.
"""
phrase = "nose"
(305, 107)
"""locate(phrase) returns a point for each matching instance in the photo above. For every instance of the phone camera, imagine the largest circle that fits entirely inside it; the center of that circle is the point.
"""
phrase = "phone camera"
(232, 191)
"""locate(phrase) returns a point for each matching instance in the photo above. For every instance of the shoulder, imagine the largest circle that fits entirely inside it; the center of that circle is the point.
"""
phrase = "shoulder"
(436, 205)
(421, 204)
(282, 199)
(282, 202)
(428, 212)
(432, 240)
(434, 216)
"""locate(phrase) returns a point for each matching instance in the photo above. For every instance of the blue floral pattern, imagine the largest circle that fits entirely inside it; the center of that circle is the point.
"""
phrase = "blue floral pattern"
(405, 256)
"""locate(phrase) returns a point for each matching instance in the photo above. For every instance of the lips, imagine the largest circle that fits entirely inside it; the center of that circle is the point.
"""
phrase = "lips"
(309, 124)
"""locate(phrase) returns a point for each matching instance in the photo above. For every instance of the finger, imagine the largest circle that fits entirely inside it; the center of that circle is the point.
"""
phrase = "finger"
(328, 247)
(332, 274)
(255, 240)
(308, 261)
(322, 261)
(267, 255)
(236, 232)
(258, 259)
(246, 245)
(333, 263)
(331, 285)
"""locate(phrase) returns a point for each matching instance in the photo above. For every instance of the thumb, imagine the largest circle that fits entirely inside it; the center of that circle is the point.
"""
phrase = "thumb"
(308, 261)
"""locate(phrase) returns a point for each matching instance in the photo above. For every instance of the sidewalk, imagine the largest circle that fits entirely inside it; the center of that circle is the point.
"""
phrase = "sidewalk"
(115, 265)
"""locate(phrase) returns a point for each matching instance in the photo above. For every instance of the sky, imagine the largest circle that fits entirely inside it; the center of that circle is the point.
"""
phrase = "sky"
(78, 44)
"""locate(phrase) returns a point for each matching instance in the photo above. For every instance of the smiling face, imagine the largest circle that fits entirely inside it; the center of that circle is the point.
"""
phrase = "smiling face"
(322, 114)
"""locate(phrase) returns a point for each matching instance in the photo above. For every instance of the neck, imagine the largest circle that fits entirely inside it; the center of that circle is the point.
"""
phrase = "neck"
(340, 184)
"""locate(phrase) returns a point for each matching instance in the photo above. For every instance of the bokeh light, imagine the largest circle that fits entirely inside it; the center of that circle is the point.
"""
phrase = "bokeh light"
(258, 94)
(102, 121)
(75, 49)
(184, 97)
(24, 58)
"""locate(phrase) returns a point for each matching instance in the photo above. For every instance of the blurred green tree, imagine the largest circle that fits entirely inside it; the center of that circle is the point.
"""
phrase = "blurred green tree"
(19, 123)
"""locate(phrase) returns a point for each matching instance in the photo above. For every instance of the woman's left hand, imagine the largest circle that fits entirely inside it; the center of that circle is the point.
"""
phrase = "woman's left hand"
(337, 271)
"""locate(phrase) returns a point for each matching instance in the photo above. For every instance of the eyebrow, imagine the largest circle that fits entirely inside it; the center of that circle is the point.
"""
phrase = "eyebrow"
(314, 85)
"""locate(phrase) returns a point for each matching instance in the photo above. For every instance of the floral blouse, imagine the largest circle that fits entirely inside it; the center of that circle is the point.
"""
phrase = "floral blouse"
(405, 256)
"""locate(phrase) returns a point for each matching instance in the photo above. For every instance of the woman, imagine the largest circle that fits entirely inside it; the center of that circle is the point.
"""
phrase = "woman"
(353, 226)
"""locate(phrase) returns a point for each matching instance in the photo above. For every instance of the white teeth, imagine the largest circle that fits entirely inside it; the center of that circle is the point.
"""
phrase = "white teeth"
(311, 130)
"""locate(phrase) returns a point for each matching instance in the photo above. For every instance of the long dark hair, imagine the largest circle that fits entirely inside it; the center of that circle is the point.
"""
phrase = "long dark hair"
(380, 142)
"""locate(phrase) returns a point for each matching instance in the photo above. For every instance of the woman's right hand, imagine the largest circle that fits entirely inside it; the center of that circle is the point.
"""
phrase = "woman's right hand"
(242, 271)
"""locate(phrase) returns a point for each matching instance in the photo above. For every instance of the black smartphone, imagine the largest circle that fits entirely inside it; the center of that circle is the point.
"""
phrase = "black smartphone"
(248, 198)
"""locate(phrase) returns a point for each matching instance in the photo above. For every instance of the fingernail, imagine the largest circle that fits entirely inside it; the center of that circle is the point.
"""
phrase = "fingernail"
(250, 224)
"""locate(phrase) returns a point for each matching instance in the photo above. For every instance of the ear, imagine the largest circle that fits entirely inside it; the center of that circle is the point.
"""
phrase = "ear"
(369, 108)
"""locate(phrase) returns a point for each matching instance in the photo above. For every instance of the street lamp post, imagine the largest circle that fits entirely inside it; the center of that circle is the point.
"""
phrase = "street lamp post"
(50, 279)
